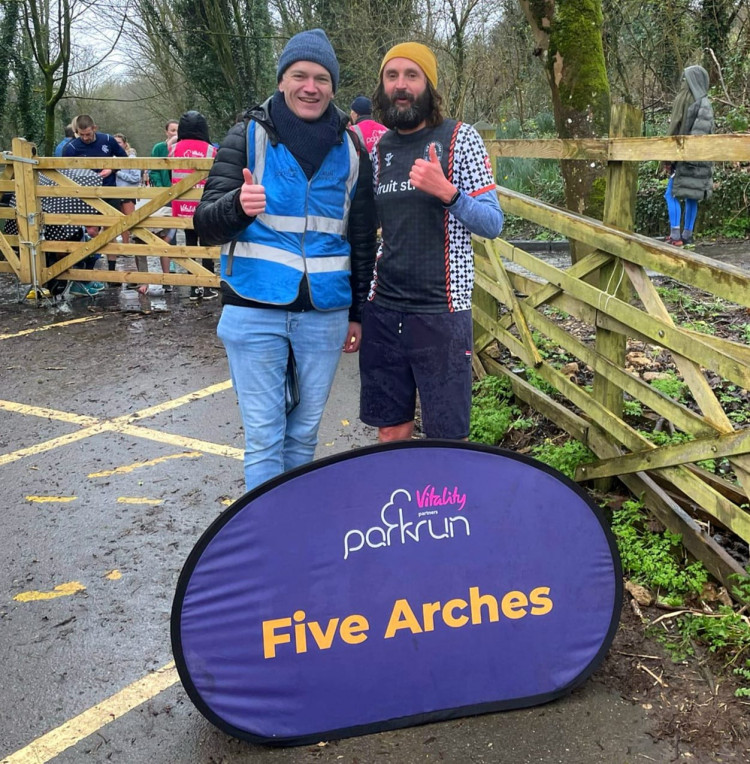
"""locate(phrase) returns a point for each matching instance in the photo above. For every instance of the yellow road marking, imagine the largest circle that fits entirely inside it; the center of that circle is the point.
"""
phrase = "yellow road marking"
(54, 742)
(48, 445)
(49, 326)
(63, 590)
(177, 402)
(61, 416)
(138, 500)
(131, 467)
(114, 575)
(180, 440)
(50, 499)
(119, 424)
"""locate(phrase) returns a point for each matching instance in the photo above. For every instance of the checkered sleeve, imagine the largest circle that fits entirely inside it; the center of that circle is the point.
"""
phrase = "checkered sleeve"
(473, 168)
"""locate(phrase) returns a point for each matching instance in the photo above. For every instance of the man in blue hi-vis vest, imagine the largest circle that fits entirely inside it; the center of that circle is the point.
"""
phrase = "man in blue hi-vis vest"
(290, 200)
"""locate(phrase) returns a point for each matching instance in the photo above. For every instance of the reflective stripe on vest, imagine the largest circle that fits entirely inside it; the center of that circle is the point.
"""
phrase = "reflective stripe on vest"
(311, 240)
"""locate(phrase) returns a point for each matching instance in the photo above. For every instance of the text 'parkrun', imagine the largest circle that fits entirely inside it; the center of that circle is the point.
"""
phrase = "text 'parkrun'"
(303, 635)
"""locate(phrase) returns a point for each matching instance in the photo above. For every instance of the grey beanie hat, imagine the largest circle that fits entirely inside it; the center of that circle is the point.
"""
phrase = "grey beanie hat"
(312, 45)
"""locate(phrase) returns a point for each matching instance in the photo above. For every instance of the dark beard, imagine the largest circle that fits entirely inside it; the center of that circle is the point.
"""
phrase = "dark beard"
(395, 118)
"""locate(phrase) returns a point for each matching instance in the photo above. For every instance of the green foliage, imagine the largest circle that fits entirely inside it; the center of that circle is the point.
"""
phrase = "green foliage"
(700, 326)
(632, 407)
(671, 386)
(539, 382)
(746, 333)
(564, 457)
(656, 560)
(492, 413)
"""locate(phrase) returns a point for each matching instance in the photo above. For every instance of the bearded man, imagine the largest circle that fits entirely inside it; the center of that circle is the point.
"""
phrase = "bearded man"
(434, 187)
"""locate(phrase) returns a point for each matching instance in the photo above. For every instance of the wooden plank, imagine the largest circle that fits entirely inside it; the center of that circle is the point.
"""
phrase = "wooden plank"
(550, 148)
(511, 301)
(28, 214)
(727, 281)
(695, 148)
(659, 331)
(709, 148)
(111, 192)
(14, 262)
(175, 252)
(619, 211)
(123, 163)
(669, 456)
(203, 278)
(100, 220)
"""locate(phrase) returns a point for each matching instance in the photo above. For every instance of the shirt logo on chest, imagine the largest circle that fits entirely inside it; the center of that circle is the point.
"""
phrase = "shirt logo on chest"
(438, 150)
(388, 159)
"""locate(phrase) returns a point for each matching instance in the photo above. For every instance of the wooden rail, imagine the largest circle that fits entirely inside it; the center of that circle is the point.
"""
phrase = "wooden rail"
(25, 254)
(519, 299)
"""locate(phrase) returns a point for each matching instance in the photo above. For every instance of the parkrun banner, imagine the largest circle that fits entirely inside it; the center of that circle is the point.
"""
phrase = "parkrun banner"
(392, 586)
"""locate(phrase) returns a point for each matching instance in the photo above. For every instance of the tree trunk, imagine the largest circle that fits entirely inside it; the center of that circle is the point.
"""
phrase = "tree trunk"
(568, 34)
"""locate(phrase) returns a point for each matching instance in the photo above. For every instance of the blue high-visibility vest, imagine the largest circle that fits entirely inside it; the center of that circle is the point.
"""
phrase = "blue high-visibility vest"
(301, 234)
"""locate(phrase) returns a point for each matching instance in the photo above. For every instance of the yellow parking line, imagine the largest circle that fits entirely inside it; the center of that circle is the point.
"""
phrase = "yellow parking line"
(119, 424)
(70, 733)
(177, 402)
(205, 446)
(63, 590)
(48, 445)
(60, 416)
(51, 499)
(139, 500)
(49, 326)
(137, 465)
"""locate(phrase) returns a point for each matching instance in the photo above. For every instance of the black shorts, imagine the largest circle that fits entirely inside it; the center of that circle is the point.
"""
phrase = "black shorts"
(405, 352)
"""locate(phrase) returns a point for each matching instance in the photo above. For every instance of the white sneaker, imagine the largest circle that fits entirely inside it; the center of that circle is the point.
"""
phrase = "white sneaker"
(155, 290)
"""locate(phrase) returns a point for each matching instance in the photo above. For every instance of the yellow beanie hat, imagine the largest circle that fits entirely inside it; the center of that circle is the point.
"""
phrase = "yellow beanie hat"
(419, 54)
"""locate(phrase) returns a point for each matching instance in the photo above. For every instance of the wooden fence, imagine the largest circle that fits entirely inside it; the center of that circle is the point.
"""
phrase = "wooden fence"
(26, 253)
(611, 291)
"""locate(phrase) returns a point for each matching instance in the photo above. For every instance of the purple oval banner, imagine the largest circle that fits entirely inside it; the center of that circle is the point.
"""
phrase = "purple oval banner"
(392, 586)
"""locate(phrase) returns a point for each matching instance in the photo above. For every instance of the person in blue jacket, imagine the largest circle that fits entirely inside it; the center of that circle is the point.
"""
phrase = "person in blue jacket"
(290, 201)
(91, 143)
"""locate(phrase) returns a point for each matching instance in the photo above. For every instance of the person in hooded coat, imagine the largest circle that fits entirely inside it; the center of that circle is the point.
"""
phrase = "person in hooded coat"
(192, 141)
(692, 182)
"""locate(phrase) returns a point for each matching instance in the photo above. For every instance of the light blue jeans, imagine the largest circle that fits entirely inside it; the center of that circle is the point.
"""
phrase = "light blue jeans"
(257, 343)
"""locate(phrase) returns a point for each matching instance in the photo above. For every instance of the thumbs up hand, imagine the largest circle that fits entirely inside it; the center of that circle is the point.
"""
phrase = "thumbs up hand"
(252, 196)
(428, 176)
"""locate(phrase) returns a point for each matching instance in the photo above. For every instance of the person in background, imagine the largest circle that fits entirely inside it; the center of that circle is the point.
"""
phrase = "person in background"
(163, 178)
(89, 143)
(692, 114)
(69, 135)
(192, 141)
(290, 200)
(434, 187)
(368, 130)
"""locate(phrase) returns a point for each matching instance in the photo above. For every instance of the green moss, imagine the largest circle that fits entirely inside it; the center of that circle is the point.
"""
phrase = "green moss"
(576, 36)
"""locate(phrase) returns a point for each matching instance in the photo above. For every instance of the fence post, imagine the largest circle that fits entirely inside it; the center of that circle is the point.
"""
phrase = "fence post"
(619, 211)
(27, 211)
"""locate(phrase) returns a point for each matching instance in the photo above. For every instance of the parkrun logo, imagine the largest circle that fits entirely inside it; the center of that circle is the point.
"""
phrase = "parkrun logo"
(396, 529)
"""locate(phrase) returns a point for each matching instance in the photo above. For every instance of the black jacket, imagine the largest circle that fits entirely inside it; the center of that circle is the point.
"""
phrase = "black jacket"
(219, 217)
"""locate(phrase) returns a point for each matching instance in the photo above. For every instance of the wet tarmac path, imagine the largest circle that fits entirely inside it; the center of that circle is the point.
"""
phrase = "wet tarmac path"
(120, 442)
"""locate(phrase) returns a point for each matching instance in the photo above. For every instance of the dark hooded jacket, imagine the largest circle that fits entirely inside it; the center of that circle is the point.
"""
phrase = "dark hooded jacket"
(220, 218)
(693, 115)
(193, 126)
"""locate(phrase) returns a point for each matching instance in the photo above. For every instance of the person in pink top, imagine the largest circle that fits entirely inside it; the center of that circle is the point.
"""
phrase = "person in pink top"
(366, 128)
(192, 141)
